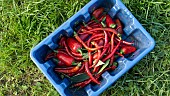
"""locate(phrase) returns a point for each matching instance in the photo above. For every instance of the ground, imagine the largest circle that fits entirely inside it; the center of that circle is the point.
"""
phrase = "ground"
(24, 23)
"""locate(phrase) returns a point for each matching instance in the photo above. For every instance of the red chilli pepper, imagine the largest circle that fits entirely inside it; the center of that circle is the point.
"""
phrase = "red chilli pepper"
(98, 38)
(74, 45)
(112, 46)
(69, 53)
(127, 49)
(88, 48)
(84, 83)
(109, 22)
(98, 12)
(83, 36)
(89, 73)
(62, 41)
(101, 42)
(73, 70)
(62, 56)
(112, 53)
(103, 29)
(125, 42)
(98, 53)
(79, 71)
(51, 55)
(94, 36)
(119, 26)
(58, 62)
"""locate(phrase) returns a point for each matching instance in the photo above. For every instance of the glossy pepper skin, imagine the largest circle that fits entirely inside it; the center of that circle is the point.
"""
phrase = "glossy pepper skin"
(72, 70)
(62, 40)
(127, 49)
(119, 26)
(109, 22)
(74, 45)
(98, 12)
(63, 57)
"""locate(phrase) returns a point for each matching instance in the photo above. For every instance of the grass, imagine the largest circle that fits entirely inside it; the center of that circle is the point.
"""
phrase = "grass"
(24, 23)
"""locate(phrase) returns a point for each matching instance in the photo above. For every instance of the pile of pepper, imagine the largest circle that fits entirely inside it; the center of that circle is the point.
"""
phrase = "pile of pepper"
(92, 50)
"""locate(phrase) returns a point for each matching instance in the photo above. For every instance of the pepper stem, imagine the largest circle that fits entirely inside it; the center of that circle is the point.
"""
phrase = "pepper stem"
(79, 50)
(74, 63)
(112, 26)
(121, 52)
(85, 55)
(75, 33)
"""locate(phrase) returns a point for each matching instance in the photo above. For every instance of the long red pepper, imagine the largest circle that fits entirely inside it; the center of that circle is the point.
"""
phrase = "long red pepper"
(75, 69)
(93, 36)
(68, 51)
(89, 73)
(104, 50)
(106, 38)
(83, 36)
(79, 71)
(119, 26)
(63, 68)
(125, 42)
(61, 41)
(99, 53)
(83, 84)
(112, 46)
(51, 55)
(76, 54)
(112, 53)
(102, 29)
(90, 58)
(98, 38)
(88, 48)
(101, 42)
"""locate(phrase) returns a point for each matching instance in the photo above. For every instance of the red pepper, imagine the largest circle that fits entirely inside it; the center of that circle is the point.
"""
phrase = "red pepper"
(90, 58)
(112, 47)
(112, 53)
(64, 68)
(51, 55)
(88, 48)
(98, 12)
(109, 22)
(104, 50)
(62, 56)
(119, 26)
(101, 42)
(106, 40)
(69, 53)
(98, 38)
(58, 62)
(89, 73)
(97, 76)
(74, 45)
(125, 42)
(127, 49)
(102, 29)
(92, 37)
(95, 55)
(73, 70)
(79, 71)
(83, 36)
(61, 41)
(98, 53)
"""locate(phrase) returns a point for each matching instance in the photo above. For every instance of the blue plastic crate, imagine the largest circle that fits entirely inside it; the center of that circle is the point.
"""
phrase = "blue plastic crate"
(133, 32)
